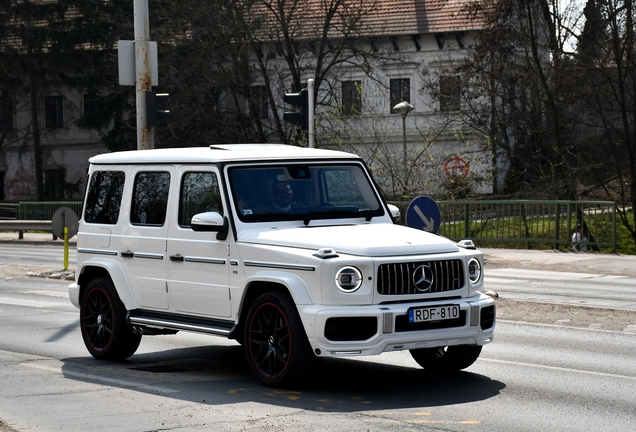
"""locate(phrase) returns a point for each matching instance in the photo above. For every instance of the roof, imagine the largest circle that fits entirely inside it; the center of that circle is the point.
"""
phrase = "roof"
(368, 17)
(406, 17)
(218, 153)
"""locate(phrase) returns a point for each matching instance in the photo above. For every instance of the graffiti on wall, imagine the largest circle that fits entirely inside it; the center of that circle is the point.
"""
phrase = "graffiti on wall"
(456, 166)
(21, 186)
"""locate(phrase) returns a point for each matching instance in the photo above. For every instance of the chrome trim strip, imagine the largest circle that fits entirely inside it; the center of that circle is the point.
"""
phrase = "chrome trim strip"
(148, 255)
(205, 260)
(278, 266)
(387, 320)
(178, 326)
(97, 251)
(474, 314)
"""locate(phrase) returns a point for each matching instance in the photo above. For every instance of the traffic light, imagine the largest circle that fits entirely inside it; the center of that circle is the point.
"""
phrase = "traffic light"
(154, 108)
(301, 115)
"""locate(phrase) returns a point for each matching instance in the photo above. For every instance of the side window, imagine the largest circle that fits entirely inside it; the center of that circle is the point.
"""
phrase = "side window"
(450, 87)
(150, 198)
(104, 197)
(199, 193)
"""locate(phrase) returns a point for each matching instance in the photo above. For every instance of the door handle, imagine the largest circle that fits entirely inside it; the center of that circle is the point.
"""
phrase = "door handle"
(176, 257)
(126, 254)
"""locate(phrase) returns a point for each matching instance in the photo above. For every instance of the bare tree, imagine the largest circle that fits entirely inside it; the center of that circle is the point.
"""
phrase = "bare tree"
(606, 101)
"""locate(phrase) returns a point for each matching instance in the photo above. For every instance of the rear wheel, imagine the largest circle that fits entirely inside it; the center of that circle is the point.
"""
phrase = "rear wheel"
(105, 331)
(276, 345)
(446, 359)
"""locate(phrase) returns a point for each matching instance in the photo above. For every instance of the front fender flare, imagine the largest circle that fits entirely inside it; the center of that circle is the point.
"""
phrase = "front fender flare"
(294, 284)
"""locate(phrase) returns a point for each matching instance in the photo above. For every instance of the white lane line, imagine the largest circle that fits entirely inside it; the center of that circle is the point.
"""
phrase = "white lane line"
(537, 274)
(30, 303)
(560, 369)
(60, 294)
(91, 377)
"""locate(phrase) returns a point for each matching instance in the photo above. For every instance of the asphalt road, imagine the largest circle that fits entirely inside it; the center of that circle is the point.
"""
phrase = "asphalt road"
(534, 377)
(531, 378)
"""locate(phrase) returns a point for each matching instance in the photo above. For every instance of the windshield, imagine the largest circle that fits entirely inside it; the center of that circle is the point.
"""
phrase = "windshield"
(303, 192)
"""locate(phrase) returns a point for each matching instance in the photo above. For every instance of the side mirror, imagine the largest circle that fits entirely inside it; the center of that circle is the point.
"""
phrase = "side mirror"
(395, 212)
(210, 222)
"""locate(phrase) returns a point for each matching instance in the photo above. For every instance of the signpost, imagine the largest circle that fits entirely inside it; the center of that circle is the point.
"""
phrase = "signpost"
(424, 214)
(65, 224)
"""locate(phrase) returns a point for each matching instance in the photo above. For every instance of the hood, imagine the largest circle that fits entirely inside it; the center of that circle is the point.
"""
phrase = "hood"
(364, 240)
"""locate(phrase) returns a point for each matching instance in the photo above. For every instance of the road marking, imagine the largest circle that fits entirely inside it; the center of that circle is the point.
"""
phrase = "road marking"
(536, 274)
(91, 377)
(30, 303)
(60, 294)
(560, 369)
(437, 422)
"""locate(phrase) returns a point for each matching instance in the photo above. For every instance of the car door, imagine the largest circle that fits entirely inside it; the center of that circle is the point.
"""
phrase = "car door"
(198, 265)
(143, 240)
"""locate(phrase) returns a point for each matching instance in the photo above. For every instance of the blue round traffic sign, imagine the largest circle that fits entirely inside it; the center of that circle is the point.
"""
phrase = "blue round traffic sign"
(423, 213)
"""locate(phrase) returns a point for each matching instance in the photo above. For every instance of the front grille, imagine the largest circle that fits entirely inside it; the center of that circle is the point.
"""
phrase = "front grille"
(397, 279)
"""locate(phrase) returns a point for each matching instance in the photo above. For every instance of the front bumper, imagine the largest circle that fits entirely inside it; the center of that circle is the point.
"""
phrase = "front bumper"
(73, 294)
(372, 330)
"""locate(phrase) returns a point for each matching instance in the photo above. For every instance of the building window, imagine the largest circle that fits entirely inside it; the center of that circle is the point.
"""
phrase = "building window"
(259, 102)
(90, 117)
(449, 93)
(5, 113)
(400, 91)
(53, 112)
(54, 183)
(351, 97)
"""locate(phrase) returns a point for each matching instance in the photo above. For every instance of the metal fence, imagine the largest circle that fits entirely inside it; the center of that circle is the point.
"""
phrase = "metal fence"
(9, 211)
(528, 222)
(487, 223)
(44, 210)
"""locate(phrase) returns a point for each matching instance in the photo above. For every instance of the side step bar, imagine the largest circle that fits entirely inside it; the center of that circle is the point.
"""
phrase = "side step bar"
(180, 322)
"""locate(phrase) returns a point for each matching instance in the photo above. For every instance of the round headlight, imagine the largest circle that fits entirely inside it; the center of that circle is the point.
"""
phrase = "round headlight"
(348, 279)
(474, 270)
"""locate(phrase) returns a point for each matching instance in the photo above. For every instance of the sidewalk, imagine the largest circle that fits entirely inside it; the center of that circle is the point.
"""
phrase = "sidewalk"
(33, 238)
(561, 261)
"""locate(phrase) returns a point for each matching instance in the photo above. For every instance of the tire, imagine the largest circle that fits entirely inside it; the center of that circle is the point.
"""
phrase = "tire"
(446, 359)
(276, 345)
(106, 333)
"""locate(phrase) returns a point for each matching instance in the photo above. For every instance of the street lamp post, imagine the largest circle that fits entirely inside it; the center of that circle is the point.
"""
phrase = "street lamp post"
(403, 108)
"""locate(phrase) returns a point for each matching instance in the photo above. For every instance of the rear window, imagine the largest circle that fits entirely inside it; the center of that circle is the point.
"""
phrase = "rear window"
(103, 200)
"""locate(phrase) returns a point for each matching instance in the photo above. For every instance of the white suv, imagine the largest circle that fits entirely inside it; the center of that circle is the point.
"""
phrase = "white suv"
(290, 251)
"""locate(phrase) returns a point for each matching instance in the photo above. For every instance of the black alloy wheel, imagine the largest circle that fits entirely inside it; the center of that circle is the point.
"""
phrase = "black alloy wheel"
(105, 331)
(275, 342)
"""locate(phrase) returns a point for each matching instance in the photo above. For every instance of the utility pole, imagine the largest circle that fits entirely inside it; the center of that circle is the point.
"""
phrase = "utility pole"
(310, 114)
(145, 135)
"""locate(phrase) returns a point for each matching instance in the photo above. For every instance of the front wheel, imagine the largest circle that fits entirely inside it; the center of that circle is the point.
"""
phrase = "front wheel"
(446, 359)
(276, 345)
(106, 333)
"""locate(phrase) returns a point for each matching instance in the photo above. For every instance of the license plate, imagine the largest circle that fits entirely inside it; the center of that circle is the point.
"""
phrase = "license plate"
(435, 313)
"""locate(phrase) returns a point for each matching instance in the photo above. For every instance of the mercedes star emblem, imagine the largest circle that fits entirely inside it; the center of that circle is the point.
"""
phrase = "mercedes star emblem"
(423, 278)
